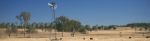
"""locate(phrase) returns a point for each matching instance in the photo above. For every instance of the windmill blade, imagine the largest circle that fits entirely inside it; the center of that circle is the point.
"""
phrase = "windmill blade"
(49, 4)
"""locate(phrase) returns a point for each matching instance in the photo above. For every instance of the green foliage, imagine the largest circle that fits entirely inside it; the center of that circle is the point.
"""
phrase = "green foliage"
(65, 24)
(146, 26)
(2, 25)
(11, 28)
(100, 27)
(95, 27)
(112, 27)
(26, 16)
(14, 28)
(87, 27)
(30, 29)
(82, 31)
(138, 25)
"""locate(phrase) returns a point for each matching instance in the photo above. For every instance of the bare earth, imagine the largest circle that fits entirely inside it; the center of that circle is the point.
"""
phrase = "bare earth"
(99, 35)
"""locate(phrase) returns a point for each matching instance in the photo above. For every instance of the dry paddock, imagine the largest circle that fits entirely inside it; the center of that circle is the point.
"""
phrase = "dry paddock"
(76, 39)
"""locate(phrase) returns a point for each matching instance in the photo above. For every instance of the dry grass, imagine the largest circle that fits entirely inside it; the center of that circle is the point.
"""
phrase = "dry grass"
(102, 35)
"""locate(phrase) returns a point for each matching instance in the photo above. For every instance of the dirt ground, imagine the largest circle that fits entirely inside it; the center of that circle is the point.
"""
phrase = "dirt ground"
(99, 35)
(75, 39)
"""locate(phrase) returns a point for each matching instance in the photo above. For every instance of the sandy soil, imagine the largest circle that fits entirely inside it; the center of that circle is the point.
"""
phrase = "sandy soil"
(76, 39)
(99, 35)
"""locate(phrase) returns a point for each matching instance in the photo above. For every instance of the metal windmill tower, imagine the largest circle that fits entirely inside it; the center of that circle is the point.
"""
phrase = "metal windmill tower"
(53, 6)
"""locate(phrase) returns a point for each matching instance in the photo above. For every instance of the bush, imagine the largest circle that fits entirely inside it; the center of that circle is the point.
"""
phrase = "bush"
(83, 31)
(30, 29)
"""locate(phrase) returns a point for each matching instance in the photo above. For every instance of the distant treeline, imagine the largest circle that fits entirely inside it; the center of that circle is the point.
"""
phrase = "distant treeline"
(138, 25)
(65, 24)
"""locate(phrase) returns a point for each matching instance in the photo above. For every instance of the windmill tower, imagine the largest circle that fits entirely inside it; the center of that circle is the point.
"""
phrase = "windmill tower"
(53, 6)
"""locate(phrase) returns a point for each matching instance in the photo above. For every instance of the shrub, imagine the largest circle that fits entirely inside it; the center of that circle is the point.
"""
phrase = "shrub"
(83, 31)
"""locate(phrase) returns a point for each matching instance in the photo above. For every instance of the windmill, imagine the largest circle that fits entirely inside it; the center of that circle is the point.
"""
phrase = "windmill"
(53, 6)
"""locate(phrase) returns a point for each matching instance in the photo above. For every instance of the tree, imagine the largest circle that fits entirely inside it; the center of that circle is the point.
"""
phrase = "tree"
(8, 29)
(95, 27)
(3, 25)
(25, 16)
(100, 27)
(13, 28)
(87, 27)
(82, 31)
(61, 22)
(112, 27)
(65, 24)
(143, 25)
(31, 28)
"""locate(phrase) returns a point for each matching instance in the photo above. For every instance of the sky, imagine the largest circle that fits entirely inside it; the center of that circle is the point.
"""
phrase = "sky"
(91, 12)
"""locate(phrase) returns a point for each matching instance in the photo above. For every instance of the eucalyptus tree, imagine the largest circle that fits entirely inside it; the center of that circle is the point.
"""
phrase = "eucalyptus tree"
(8, 25)
(41, 25)
(94, 27)
(20, 19)
(33, 27)
(75, 25)
(46, 26)
(3, 25)
(13, 28)
(143, 25)
(66, 24)
(61, 23)
(87, 27)
(25, 17)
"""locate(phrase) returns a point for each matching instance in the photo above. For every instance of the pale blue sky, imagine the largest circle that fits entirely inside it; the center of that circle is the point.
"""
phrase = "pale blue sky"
(92, 12)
